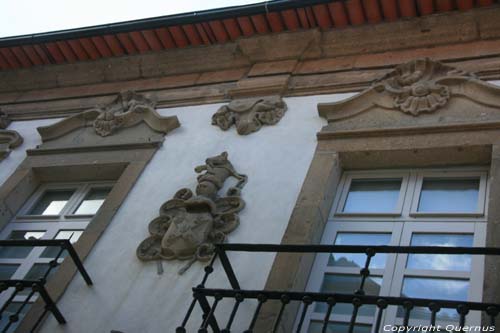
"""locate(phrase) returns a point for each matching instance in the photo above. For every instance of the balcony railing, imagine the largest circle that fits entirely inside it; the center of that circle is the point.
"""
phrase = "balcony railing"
(38, 286)
(358, 298)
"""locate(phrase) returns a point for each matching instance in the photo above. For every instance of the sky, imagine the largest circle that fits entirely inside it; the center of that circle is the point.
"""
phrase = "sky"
(22, 17)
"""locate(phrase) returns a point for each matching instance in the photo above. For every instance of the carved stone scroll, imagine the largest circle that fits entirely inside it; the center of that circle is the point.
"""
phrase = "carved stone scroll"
(8, 139)
(188, 224)
(4, 120)
(126, 110)
(249, 115)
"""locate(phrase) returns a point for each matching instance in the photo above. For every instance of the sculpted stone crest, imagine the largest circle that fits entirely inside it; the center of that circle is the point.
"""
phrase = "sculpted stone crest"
(416, 86)
(8, 139)
(248, 115)
(188, 224)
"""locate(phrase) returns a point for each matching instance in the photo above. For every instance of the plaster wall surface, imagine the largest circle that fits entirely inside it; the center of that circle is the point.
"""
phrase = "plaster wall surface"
(31, 138)
(128, 295)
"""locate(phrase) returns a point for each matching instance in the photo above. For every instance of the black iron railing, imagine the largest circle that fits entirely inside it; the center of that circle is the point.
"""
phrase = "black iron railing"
(358, 298)
(38, 286)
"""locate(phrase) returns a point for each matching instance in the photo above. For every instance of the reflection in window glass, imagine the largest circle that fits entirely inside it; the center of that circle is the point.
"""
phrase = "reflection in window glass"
(449, 196)
(19, 251)
(316, 327)
(358, 259)
(37, 272)
(51, 203)
(372, 196)
(440, 261)
(93, 201)
(52, 251)
(7, 270)
(11, 309)
(348, 284)
(448, 289)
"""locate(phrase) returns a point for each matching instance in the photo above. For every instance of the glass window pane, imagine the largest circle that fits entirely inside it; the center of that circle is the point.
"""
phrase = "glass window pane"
(449, 196)
(16, 251)
(448, 289)
(440, 261)
(316, 327)
(52, 202)
(37, 271)
(52, 251)
(7, 270)
(348, 284)
(373, 196)
(358, 260)
(93, 201)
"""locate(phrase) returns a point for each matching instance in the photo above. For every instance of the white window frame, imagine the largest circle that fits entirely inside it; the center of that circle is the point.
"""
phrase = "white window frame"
(403, 222)
(370, 175)
(50, 224)
(451, 175)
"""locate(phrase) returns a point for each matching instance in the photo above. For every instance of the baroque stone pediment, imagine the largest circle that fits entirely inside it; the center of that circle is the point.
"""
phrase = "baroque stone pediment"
(419, 94)
(104, 125)
(8, 139)
(128, 109)
(250, 114)
(188, 224)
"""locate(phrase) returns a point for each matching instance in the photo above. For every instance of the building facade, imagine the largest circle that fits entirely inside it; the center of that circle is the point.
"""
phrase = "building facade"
(309, 166)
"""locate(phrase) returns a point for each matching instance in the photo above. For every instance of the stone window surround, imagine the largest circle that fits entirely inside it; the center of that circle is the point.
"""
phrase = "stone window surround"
(332, 157)
(121, 166)
(405, 223)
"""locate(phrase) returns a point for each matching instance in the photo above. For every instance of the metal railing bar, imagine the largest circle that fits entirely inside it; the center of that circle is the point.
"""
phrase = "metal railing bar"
(304, 248)
(284, 302)
(204, 325)
(345, 298)
(356, 302)
(49, 303)
(205, 307)
(237, 301)
(63, 243)
(382, 305)
(78, 263)
(331, 303)
(2, 289)
(39, 320)
(188, 314)
(262, 299)
(228, 268)
(358, 299)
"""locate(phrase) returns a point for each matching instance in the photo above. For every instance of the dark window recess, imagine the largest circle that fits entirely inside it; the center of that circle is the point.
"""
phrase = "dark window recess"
(34, 283)
(208, 298)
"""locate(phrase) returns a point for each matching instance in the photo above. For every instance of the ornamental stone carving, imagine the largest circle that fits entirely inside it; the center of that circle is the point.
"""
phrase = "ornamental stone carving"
(188, 224)
(8, 139)
(126, 110)
(4, 120)
(415, 86)
(249, 115)
(421, 96)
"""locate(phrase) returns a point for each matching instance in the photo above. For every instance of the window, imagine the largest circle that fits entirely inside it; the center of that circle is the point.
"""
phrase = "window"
(55, 211)
(403, 208)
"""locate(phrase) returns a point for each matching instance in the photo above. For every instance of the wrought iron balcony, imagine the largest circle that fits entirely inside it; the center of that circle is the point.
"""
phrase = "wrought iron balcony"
(358, 298)
(38, 286)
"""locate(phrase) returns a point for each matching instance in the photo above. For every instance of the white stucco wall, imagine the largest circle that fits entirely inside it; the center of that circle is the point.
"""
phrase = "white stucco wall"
(27, 129)
(128, 295)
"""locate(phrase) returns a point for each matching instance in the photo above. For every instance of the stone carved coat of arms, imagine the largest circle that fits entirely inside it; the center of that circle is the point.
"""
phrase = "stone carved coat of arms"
(188, 224)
